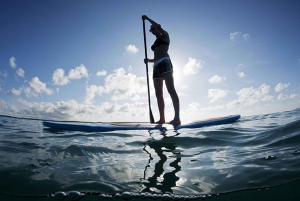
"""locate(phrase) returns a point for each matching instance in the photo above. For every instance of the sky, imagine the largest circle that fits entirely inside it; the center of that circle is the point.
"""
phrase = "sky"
(83, 60)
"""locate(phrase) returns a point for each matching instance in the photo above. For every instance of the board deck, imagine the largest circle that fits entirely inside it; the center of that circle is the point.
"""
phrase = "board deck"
(104, 127)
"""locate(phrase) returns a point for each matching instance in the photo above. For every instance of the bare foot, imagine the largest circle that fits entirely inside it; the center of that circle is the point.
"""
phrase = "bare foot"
(175, 122)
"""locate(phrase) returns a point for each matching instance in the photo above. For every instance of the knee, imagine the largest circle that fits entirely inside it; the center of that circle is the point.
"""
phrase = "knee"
(171, 91)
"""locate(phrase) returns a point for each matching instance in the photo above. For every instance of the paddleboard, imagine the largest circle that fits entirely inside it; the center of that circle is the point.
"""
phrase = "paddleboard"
(104, 127)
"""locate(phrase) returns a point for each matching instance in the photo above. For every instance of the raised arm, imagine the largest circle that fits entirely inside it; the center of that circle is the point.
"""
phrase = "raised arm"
(156, 26)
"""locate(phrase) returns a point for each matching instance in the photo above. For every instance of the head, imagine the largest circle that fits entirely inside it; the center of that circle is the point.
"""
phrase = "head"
(154, 31)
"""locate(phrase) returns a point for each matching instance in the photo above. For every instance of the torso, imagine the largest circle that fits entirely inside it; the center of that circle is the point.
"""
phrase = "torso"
(161, 50)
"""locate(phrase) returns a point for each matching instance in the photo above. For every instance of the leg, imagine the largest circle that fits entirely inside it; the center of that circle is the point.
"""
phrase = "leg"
(158, 85)
(171, 89)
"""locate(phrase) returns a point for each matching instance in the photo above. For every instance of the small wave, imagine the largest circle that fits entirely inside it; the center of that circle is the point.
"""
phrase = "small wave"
(76, 150)
(285, 135)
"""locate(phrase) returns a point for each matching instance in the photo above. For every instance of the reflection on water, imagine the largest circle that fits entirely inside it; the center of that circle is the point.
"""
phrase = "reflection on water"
(259, 151)
(161, 179)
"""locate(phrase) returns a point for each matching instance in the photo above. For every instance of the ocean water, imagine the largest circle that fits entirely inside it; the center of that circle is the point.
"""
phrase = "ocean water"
(255, 158)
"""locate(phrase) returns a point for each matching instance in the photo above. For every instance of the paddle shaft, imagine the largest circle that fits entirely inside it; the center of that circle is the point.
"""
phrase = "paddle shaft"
(145, 44)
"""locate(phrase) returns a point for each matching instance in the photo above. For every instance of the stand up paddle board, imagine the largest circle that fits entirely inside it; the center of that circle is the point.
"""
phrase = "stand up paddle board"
(104, 127)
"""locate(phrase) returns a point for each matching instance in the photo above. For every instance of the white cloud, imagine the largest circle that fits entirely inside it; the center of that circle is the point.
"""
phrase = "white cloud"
(267, 98)
(122, 85)
(58, 110)
(39, 87)
(218, 107)
(293, 96)
(101, 73)
(246, 36)
(234, 35)
(59, 77)
(189, 113)
(168, 100)
(78, 73)
(20, 72)
(192, 107)
(29, 92)
(184, 86)
(281, 86)
(111, 108)
(131, 49)
(282, 97)
(36, 87)
(16, 92)
(180, 94)
(91, 91)
(264, 88)
(129, 68)
(241, 74)
(7, 108)
(245, 93)
(216, 79)
(136, 97)
(237, 35)
(250, 96)
(192, 67)
(240, 66)
(233, 104)
(216, 94)
(3, 74)
(72, 110)
(12, 62)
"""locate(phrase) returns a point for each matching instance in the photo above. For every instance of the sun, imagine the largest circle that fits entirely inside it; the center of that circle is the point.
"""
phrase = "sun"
(177, 72)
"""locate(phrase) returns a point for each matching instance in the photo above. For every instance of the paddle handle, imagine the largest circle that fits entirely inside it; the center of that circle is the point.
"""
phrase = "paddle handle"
(145, 44)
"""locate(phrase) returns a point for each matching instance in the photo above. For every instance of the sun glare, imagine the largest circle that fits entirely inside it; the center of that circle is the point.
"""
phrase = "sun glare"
(177, 72)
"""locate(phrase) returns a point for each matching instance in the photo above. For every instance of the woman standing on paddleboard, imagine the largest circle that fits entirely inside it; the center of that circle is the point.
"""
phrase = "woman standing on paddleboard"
(162, 70)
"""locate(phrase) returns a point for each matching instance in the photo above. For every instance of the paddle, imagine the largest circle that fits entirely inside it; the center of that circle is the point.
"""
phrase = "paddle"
(145, 44)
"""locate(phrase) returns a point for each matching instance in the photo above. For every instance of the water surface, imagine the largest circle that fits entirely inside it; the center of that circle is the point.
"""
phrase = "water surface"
(254, 152)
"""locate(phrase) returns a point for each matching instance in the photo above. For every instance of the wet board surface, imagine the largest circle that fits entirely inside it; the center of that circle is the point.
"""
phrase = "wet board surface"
(104, 127)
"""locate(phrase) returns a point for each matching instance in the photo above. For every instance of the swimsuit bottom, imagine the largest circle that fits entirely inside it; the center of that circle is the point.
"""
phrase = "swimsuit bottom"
(161, 67)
